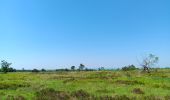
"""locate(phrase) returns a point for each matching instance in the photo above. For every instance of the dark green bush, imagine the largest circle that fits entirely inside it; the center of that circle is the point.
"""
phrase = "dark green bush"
(35, 70)
(137, 91)
(81, 94)
(128, 68)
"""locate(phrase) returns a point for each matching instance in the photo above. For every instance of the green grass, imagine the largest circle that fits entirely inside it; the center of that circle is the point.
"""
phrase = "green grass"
(99, 84)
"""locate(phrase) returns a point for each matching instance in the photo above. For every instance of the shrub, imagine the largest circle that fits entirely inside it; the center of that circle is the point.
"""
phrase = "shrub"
(128, 68)
(11, 69)
(35, 70)
(137, 91)
(80, 94)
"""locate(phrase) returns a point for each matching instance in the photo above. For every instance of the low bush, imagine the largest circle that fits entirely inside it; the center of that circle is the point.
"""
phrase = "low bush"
(81, 94)
(137, 91)
(35, 71)
(128, 68)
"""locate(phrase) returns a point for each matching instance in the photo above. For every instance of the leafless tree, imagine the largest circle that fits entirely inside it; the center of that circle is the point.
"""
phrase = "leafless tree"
(148, 62)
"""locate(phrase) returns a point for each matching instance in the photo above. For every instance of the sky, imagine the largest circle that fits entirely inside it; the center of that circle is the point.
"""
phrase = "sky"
(55, 34)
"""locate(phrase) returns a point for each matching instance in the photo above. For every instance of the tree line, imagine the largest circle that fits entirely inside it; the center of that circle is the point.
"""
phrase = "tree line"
(146, 63)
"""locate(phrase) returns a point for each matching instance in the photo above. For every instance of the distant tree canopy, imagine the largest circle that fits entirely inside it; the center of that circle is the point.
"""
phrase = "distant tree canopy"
(35, 70)
(130, 67)
(101, 68)
(5, 67)
(73, 68)
(43, 70)
(81, 67)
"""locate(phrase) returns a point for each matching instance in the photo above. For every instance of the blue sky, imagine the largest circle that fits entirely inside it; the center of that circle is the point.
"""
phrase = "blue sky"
(60, 33)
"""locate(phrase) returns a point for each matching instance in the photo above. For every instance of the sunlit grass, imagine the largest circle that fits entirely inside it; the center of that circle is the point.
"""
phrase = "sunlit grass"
(97, 83)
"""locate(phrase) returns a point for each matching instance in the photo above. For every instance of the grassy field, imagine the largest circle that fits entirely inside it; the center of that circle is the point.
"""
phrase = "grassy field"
(97, 85)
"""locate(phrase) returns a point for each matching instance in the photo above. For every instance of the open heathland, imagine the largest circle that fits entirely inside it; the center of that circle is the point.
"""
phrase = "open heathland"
(86, 85)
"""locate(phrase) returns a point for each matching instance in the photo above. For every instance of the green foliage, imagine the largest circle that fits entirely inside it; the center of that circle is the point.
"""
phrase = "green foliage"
(128, 68)
(35, 71)
(73, 68)
(43, 70)
(101, 68)
(5, 67)
(137, 91)
(81, 67)
(11, 69)
(81, 95)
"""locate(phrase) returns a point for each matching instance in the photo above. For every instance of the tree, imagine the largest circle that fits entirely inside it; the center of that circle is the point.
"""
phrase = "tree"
(81, 67)
(101, 68)
(23, 69)
(149, 62)
(66, 69)
(128, 68)
(73, 68)
(35, 71)
(11, 69)
(43, 70)
(5, 66)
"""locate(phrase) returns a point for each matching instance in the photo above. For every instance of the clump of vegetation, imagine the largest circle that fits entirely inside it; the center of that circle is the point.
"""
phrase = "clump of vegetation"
(43, 70)
(81, 67)
(51, 94)
(73, 68)
(149, 62)
(128, 68)
(81, 94)
(137, 91)
(101, 69)
(5, 67)
(35, 70)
